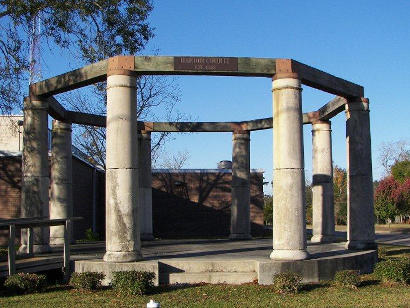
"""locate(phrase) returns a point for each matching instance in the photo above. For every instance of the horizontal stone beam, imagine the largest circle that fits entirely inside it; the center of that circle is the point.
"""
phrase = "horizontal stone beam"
(259, 124)
(218, 66)
(181, 127)
(85, 118)
(192, 126)
(318, 79)
(78, 78)
(55, 109)
(332, 108)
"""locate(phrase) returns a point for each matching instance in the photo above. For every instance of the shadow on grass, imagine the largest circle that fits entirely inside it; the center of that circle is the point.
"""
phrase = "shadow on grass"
(170, 288)
(7, 293)
(370, 282)
(313, 286)
(395, 252)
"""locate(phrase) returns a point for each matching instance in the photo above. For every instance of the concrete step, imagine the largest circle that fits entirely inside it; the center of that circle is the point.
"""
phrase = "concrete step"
(207, 271)
(208, 277)
(207, 266)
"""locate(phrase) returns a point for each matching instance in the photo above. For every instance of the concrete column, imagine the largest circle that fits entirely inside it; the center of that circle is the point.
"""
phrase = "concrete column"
(322, 184)
(240, 209)
(360, 210)
(289, 225)
(122, 220)
(35, 169)
(61, 194)
(145, 185)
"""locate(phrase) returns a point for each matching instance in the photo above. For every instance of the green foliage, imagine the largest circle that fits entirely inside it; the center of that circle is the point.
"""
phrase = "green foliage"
(268, 209)
(133, 282)
(401, 170)
(3, 253)
(340, 194)
(90, 30)
(309, 209)
(25, 283)
(287, 282)
(347, 279)
(393, 270)
(86, 280)
(381, 252)
(91, 236)
(392, 198)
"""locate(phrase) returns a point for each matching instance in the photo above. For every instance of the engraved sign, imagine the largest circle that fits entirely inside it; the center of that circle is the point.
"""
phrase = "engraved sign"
(211, 64)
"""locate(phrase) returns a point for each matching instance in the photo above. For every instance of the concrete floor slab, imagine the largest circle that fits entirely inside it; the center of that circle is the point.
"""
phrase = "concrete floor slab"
(235, 262)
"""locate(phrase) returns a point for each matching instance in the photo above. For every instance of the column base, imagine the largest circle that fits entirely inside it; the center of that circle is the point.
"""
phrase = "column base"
(360, 245)
(240, 236)
(322, 239)
(36, 249)
(122, 256)
(55, 241)
(147, 237)
(289, 254)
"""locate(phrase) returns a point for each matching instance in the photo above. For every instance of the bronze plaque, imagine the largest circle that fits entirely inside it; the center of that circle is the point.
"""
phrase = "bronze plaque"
(207, 64)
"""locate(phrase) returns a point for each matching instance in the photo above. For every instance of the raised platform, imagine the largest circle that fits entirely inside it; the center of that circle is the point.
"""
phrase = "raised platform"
(232, 262)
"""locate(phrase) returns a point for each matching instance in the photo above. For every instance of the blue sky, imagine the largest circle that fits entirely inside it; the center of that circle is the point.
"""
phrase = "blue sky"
(366, 42)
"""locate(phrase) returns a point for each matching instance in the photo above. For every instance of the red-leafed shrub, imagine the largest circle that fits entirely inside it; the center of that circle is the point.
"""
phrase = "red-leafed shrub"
(392, 198)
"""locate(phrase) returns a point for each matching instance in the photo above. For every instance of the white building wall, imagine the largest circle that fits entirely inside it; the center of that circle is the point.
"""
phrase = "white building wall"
(11, 133)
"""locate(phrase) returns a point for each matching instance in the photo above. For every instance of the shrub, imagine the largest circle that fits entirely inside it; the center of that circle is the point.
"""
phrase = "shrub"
(393, 270)
(86, 280)
(347, 279)
(25, 283)
(133, 282)
(381, 252)
(91, 236)
(287, 282)
(3, 254)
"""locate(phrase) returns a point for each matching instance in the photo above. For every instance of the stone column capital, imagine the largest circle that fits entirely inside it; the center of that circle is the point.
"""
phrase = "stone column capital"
(325, 125)
(358, 104)
(286, 83)
(35, 103)
(241, 135)
(60, 125)
(121, 81)
(144, 134)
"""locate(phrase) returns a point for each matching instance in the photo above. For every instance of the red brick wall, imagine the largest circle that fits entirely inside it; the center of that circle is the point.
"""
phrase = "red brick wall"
(198, 204)
(10, 188)
(83, 198)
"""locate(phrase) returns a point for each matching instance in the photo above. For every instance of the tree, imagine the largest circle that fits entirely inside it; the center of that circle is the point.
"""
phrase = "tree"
(90, 30)
(153, 93)
(340, 194)
(384, 202)
(268, 209)
(392, 195)
(401, 170)
(392, 152)
(309, 205)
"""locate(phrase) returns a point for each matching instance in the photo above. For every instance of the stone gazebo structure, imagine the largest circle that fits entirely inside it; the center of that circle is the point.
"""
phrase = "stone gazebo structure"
(128, 159)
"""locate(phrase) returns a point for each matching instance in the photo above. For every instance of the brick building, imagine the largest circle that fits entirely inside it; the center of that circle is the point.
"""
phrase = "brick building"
(185, 202)
(88, 182)
(196, 202)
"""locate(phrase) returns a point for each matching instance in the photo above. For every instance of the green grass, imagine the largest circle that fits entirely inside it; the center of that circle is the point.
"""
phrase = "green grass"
(371, 293)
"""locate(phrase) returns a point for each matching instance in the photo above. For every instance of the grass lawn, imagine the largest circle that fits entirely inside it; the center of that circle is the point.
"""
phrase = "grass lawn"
(405, 228)
(371, 293)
